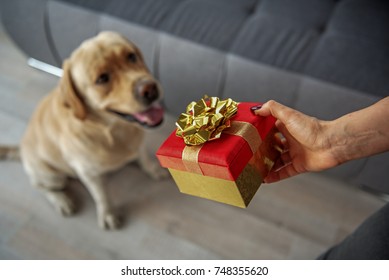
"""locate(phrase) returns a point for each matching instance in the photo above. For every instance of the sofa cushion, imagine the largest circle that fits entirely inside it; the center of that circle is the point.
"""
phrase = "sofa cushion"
(214, 24)
(343, 42)
(354, 49)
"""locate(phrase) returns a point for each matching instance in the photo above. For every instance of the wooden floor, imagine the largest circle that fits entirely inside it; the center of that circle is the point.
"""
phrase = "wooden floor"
(296, 219)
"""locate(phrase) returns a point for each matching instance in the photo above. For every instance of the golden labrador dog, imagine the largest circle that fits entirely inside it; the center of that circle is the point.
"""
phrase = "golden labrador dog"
(91, 123)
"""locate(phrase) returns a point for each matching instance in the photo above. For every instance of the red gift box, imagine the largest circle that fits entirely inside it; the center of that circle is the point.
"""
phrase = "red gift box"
(247, 144)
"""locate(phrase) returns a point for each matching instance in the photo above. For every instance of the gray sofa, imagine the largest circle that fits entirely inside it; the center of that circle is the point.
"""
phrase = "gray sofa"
(323, 57)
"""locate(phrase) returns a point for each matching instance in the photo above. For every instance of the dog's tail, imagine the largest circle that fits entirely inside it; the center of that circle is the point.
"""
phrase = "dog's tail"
(9, 153)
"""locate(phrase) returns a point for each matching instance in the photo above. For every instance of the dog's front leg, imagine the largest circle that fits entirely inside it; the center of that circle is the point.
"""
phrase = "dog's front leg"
(151, 166)
(95, 185)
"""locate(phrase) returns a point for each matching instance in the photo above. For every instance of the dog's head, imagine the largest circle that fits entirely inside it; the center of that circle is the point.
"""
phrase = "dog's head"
(107, 75)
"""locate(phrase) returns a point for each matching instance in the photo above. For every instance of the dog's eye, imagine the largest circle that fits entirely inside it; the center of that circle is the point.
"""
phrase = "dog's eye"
(103, 79)
(131, 57)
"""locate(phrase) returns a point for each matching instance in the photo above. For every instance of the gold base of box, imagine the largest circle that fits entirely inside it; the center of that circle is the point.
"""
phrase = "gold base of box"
(237, 193)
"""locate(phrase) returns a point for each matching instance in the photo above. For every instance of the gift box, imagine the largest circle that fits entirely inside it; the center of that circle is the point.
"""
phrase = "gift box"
(231, 167)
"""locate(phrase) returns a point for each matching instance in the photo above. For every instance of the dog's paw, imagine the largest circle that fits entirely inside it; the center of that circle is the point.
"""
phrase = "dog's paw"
(109, 221)
(62, 203)
(67, 207)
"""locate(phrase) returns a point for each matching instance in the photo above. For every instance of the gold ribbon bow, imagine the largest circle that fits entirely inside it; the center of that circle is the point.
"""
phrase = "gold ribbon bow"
(205, 120)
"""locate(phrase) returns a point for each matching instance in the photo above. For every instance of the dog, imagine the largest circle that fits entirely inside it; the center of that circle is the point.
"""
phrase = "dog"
(92, 123)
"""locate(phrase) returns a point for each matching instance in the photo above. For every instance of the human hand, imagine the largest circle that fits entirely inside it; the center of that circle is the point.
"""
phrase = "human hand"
(306, 143)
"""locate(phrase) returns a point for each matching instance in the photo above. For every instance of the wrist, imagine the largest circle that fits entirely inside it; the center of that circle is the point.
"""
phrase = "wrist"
(349, 141)
(335, 141)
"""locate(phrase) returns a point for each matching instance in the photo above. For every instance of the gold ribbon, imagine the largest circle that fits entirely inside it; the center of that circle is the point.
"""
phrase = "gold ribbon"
(205, 120)
(190, 159)
(245, 130)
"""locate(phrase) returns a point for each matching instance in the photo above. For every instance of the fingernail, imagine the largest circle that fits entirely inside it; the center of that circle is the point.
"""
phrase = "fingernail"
(256, 107)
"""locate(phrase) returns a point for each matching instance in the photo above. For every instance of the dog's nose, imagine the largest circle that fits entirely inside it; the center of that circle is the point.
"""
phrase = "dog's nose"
(147, 91)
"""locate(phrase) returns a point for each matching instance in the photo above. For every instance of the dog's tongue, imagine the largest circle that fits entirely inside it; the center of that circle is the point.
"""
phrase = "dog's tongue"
(152, 116)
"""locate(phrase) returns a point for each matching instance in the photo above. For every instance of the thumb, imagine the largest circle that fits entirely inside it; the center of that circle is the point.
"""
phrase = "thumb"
(281, 112)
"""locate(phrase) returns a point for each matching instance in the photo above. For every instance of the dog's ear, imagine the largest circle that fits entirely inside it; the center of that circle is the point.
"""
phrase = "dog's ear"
(69, 93)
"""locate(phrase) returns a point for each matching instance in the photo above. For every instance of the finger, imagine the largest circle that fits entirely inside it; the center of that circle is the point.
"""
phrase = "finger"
(286, 139)
(275, 109)
(280, 142)
(283, 160)
(283, 173)
(281, 137)
(278, 165)
(284, 114)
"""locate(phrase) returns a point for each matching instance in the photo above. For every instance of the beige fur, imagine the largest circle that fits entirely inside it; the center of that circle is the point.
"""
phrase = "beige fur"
(73, 133)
